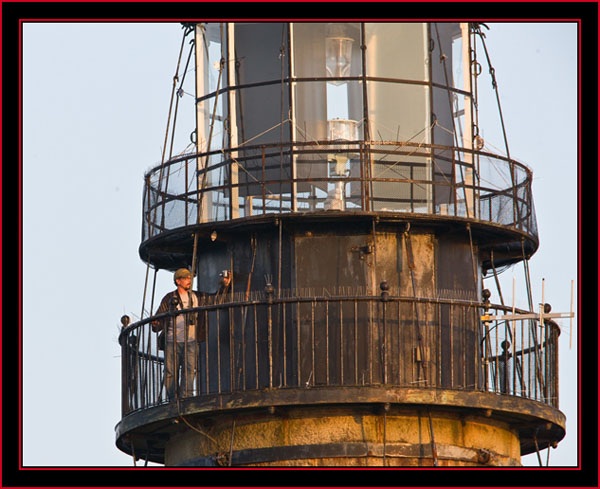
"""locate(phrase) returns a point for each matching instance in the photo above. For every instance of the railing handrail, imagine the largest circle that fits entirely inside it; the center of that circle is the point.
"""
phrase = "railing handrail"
(318, 298)
(497, 192)
(328, 149)
(364, 340)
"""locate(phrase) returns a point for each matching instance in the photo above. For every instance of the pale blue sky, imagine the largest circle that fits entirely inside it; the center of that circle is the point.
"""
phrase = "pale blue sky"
(95, 103)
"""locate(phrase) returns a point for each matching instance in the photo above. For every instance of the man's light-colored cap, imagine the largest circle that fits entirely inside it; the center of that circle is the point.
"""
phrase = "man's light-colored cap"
(182, 273)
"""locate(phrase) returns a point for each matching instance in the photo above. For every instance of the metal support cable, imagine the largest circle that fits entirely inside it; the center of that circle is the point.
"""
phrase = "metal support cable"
(282, 99)
(532, 324)
(166, 187)
(517, 365)
(492, 72)
(537, 448)
(496, 278)
(433, 446)
(197, 430)
(231, 442)
(443, 60)
(173, 92)
(474, 264)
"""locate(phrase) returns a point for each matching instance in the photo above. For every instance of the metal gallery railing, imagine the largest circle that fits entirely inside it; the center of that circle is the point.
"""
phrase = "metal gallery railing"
(385, 177)
(309, 342)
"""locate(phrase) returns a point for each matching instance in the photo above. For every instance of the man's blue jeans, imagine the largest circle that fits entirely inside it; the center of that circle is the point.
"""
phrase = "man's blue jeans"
(180, 368)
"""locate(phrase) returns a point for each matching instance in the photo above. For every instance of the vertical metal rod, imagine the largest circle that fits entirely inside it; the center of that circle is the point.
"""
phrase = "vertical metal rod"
(475, 320)
(243, 340)
(362, 179)
(523, 385)
(529, 363)
(270, 343)
(154, 373)
(453, 184)
(231, 312)
(187, 162)
(142, 368)
(262, 183)
(398, 344)
(438, 380)
(281, 102)
(341, 344)
(431, 134)
(206, 365)
(532, 323)
(452, 346)
(497, 386)
(514, 343)
(148, 365)
(124, 340)
(312, 333)
(486, 355)
(255, 348)
(218, 351)
(175, 364)
(383, 344)
(464, 344)
(327, 342)
(148, 190)
(279, 257)
(366, 128)
(155, 370)
(292, 117)
(298, 350)
(412, 186)
(546, 366)
(556, 366)
(370, 341)
(355, 341)
(283, 327)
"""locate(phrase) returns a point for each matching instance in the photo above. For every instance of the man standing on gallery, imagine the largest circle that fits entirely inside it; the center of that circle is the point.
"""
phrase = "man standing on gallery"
(181, 340)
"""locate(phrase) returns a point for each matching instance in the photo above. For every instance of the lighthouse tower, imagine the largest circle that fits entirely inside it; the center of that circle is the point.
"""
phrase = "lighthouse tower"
(337, 172)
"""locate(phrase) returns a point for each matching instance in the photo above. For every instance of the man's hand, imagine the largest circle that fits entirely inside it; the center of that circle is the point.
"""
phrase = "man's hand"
(225, 281)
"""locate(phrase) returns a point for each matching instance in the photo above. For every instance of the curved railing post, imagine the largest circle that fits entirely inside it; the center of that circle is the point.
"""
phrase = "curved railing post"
(270, 290)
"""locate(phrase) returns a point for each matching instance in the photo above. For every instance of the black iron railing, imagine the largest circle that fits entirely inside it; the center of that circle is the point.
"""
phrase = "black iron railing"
(386, 177)
(308, 342)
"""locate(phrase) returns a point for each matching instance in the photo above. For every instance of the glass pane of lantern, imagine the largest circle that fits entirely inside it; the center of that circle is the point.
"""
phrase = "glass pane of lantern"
(339, 57)
(326, 49)
(399, 112)
(397, 50)
(257, 51)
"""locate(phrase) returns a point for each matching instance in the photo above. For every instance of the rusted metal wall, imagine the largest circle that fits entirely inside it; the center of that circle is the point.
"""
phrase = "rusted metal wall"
(358, 343)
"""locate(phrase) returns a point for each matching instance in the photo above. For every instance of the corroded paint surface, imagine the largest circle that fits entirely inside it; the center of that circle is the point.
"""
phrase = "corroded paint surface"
(397, 437)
